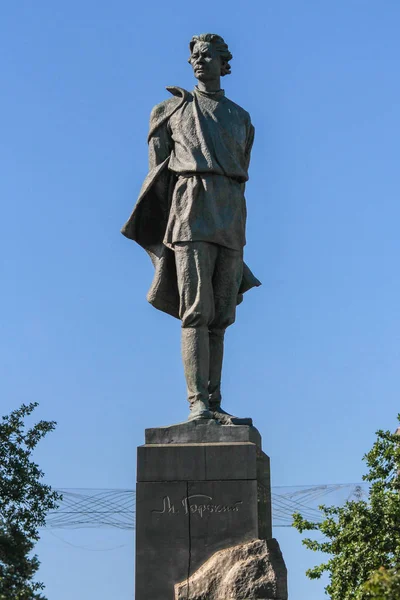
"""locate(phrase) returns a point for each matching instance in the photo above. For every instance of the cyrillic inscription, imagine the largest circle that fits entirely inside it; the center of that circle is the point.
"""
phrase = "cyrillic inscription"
(199, 504)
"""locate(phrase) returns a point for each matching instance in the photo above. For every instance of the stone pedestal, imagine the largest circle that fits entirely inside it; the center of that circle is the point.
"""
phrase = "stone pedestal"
(201, 487)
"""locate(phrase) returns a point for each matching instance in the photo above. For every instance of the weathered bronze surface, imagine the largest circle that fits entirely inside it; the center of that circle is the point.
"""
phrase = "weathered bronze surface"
(191, 218)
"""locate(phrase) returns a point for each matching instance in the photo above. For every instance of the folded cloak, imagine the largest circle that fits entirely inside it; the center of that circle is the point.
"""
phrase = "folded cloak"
(148, 221)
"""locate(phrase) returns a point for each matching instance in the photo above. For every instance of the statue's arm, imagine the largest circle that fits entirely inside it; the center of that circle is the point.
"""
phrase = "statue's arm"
(160, 145)
(160, 148)
(249, 144)
(247, 152)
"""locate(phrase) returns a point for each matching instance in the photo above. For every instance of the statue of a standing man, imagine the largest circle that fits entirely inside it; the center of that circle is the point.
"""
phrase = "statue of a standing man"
(191, 216)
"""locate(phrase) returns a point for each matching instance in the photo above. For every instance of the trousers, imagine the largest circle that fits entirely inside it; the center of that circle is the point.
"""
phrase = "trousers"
(209, 277)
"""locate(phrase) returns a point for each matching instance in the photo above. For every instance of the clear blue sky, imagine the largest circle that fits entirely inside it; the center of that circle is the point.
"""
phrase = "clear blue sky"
(314, 355)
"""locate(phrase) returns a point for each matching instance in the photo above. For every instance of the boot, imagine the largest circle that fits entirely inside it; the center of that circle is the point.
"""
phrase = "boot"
(195, 355)
(216, 349)
(223, 417)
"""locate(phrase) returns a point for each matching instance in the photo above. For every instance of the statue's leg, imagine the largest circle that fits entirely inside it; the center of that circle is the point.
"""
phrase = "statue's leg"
(226, 283)
(195, 356)
(195, 263)
(216, 337)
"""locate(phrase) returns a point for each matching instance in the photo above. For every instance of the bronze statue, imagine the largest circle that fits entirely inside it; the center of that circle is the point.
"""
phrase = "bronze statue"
(191, 216)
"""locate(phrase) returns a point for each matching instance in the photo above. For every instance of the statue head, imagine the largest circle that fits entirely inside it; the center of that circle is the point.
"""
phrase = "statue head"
(209, 56)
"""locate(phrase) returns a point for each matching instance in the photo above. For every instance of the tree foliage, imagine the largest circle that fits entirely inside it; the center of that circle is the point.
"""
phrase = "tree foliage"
(384, 584)
(24, 503)
(362, 538)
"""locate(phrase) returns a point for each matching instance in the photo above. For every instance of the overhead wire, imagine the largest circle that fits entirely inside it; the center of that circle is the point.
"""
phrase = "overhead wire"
(93, 508)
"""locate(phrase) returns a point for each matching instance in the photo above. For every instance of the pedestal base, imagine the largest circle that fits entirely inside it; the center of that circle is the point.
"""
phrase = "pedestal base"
(194, 499)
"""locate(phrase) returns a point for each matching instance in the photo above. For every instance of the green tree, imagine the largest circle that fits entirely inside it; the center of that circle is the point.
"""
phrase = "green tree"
(383, 584)
(24, 503)
(362, 538)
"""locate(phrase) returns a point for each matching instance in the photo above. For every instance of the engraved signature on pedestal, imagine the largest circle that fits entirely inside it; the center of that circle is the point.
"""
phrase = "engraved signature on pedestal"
(199, 504)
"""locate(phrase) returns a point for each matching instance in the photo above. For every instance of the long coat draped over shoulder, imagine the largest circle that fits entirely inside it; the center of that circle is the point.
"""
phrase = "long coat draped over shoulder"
(148, 221)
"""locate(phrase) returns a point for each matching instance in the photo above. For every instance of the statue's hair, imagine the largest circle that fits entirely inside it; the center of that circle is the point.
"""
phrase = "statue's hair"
(220, 46)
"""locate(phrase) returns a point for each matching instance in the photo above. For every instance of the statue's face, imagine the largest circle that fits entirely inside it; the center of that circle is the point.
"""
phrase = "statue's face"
(206, 61)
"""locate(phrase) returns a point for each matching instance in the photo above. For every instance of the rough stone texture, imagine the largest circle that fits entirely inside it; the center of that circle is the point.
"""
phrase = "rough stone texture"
(202, 431)
(252, 571)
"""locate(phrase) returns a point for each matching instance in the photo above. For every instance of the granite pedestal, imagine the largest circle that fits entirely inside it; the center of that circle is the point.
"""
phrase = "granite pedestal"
(201, 487)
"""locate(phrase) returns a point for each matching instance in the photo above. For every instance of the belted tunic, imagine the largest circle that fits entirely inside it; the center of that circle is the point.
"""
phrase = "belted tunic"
(199, 153)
